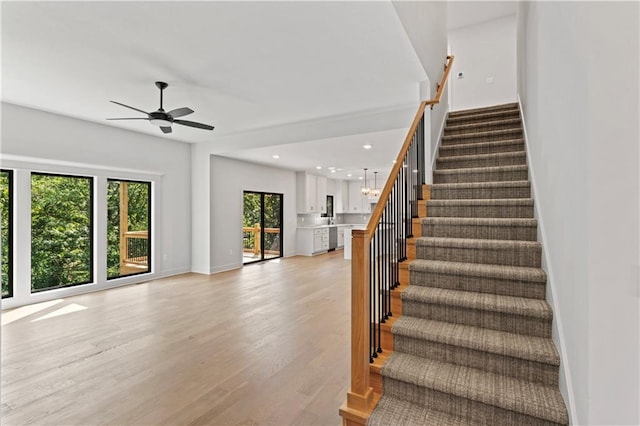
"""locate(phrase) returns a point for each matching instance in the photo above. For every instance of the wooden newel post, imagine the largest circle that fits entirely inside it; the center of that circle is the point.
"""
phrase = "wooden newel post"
(360, 394)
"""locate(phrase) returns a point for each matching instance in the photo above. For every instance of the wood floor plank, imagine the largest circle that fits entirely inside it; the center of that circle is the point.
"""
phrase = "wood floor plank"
(265, 344)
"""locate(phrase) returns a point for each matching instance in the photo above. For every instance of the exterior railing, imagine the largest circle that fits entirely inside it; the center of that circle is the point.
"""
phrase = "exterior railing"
(377, 252)
(254, 233)
(136, 248)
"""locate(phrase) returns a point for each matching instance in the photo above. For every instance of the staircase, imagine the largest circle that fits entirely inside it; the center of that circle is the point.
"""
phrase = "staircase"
(473, 344)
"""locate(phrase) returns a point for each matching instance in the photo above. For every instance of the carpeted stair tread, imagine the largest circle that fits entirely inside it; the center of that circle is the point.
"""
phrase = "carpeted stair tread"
(394, 411)
(470, 127)
(532, 399)
(510, 228)
(483, 116)
(482, 185)
(483, 110)
(522, 306)
(491, 134)
(501, 202)
(469, 243)
(470, 170)
(497, 158)
(516, 273)
(531, 348)
(479, 221)
(506, 145)
(478, 250)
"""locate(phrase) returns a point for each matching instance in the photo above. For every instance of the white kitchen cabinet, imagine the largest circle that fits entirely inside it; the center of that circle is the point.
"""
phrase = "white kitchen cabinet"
(357, 202)
(312, 241)
(341, 235)
(335, 189)
(306, 193)
(321, 193)
(345, 197)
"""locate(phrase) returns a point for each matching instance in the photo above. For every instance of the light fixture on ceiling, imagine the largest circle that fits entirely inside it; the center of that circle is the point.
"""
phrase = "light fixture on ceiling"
(333, 171)
(160, 122)
(349, 175)
(367, 146)
(375, 192)
(318, 167)
(365, 189)
(276, 156)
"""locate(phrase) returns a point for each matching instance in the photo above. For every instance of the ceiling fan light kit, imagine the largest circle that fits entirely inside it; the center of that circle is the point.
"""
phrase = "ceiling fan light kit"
(164, 119)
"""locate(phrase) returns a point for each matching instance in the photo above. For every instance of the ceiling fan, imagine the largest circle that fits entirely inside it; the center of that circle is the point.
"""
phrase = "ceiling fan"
(164, 119)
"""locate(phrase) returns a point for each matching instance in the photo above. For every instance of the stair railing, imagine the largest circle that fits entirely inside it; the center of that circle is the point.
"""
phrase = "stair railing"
(378, 250)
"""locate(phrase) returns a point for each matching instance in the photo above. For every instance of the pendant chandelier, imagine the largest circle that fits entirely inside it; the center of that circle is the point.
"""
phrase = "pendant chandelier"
(365, 189)
(375, 192)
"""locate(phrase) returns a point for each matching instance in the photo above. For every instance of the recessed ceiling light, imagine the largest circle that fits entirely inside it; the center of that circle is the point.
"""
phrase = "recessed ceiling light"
(275, 156)
(349, 175)
(367, 146)
(360, 178)
(318, 167)
(333, 171)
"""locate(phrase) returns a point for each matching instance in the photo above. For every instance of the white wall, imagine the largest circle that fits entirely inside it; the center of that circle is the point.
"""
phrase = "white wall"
(578, 69)
(485, 50)
(55, 143)
(229, 178)
(426, 27)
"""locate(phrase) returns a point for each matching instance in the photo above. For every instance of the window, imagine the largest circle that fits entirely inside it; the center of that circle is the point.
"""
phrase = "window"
(128, 224)
(61, 231)
(6, 231)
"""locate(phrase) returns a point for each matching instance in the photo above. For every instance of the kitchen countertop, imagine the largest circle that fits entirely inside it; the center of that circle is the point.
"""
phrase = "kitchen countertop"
(327, 226)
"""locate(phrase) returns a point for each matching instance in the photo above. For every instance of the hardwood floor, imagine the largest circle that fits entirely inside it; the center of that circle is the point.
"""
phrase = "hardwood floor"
(266, 344)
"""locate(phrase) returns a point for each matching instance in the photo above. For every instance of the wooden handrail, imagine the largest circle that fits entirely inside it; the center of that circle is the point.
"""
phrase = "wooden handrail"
(386, 191)
(360, 395)
(443, 81)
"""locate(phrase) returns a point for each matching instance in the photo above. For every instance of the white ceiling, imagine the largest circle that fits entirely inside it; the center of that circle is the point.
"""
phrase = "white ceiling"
(241, 66)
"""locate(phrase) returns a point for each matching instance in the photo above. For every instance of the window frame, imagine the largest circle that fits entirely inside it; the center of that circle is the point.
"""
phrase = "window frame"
(10, 233)
(92, 225)
(149, 230)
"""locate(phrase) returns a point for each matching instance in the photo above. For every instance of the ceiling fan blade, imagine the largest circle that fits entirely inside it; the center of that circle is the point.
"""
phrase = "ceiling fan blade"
(194, 124)
(165, 129)
(130, 107)
(180, 112)
(129, 118)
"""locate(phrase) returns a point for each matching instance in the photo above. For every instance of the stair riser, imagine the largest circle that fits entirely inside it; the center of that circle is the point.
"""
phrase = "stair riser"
(484, 176)
(475, 412)
(485, 110)
(482, 137)
(516, 159)
(481, 211)
(488, 319)
(479, 284)
(487, 126)
(451, 151)
(493, 363)
(481, 232)
(482, 118)
(480, 193)
(529, 257)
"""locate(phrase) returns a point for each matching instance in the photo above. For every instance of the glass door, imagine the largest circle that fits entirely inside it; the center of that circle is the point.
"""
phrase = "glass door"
(261, 226)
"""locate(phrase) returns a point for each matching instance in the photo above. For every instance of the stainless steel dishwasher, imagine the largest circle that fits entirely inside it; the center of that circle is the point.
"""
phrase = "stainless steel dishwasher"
(333, 237)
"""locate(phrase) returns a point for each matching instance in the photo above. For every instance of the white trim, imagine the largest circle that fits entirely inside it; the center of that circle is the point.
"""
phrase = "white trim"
(225, 268)
(9, 161)
(23, 167)
(551, 295)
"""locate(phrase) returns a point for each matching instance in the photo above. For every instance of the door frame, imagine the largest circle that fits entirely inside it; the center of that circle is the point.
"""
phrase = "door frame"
(262, 233)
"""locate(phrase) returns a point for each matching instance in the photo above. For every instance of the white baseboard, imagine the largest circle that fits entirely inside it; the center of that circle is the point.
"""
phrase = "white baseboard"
(224, 268)
(558, 333)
